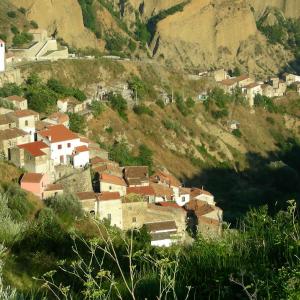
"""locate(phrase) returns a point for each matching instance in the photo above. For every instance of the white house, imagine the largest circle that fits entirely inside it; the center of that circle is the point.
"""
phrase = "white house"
(291, 78)
(58, 118)
(2, 56)
(202, 195)
(81, 156)
(183, 197)
(63, 143)
(18, 102)
(252, 90)
(162, 233)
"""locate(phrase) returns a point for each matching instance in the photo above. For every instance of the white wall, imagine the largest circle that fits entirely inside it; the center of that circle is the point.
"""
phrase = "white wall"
(81, 159)
(181, 200)
(2, 57)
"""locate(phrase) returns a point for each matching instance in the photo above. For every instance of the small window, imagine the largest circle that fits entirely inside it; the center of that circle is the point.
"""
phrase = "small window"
(183, 199)
(26, 123)
(110, 187)
(133, 219)
(59, 146)
(109, 217)
(69, 145)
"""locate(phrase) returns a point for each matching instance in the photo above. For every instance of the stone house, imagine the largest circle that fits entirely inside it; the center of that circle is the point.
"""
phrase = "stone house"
(291, 78)
(58, 118)
(63, 144)
(25, 120)
(202, 195)
(146, 192)
(33, 157)
(12, 137)
(88, 201)
(267, 90)
(18, 102)
(53, 190)
(204, 218)
(109, 207)
(279, 86)
(136, 176)
(220, 75)
(163, 234)
(111, 183)
(162, 193)
(228, 85)
(70, 105)
(6, 122)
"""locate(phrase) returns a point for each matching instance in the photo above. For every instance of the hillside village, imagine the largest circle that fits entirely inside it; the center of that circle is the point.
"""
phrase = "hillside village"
(57, 160)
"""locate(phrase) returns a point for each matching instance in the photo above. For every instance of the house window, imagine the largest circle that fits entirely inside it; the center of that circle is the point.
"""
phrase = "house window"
(69, 145)
(59, 146)
(109, 217)
(183, 199)
(26, 123)
(133, 219)
(110, 187)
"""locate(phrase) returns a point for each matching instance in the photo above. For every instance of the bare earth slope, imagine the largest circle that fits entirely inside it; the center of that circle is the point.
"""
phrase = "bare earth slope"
(63, 16)
(214, 33)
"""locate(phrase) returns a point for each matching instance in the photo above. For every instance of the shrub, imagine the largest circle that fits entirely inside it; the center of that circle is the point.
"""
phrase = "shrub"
(160, 103)
(97, 108)
(142, 109)
(119, 104)
(78, 94)
(181, 105)
(190, 103)
(115, 42)
(138, 86)
(218, 114)
(14, 30)
(10, 89)
(67, 207)
(77, 123)
(270, 120)
(34, 24)
(3, 37)
(22, 38)
(131, 46)
(22, 10)
(12, 14)
(237, 133)
(109, 130)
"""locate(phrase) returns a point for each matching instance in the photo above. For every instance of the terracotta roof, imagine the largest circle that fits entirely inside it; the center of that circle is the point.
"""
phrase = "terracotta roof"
(96, 160)
(32, 177)
(196, 192)
(1, 41)
(166, 178)
(83, 139)
(141, 190)
(199, 207)
(86, 196)
(80, 149)
(228, 82)
(136, 175)
(16, 98)
(107, 196)
(59, 117)
(184, 191)
(24, 113)
(58, 133)
(41, 125)
(108, 169)
(54, 187)
(35, 148)
(112, 179)
(161, 226)
(11, 133)
(252, 85)
(242, 77)
(162, 191)
(170, 204)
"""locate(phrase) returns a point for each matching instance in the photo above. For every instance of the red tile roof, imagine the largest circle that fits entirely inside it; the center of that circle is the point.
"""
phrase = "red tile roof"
(169, 204)
(96, 160)
(107, 196)
(161, 226)
(32, 177)
(141, 190)
(162, 190)
(35, 148)
(80, 149)
(112, 179)
(54, 187)
(58, 133)
(196, 192)
(24, 113)
(86, 196)
(59, 117)
(16, 98)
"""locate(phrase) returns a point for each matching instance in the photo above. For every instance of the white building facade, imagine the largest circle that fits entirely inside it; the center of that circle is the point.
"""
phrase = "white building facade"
(2, 56)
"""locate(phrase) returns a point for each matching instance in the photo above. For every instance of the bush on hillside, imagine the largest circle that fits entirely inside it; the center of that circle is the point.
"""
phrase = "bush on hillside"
(97, 108)
(66, 207)
(181, 106)
(12, 14)
(22, 38)
(143, 110)
(34, 24)
(190, 102)
(77, 123)
(119, 104)
(160, 103)
(237, 133)
(9, 89)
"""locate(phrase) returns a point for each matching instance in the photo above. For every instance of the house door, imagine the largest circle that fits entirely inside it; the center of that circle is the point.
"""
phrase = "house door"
(62, 159)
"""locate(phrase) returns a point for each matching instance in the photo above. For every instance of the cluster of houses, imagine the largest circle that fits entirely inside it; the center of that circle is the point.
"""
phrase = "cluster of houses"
(274, 87)
(125, 196)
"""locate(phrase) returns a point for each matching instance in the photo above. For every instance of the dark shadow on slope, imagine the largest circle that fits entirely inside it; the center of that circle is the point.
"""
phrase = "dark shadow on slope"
(268, 181)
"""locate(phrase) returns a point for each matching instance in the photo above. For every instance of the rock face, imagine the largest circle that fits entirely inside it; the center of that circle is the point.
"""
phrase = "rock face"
(291, 8)
(61, 16)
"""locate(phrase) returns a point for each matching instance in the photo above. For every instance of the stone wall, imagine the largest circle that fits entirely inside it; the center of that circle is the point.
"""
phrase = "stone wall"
(10, 76)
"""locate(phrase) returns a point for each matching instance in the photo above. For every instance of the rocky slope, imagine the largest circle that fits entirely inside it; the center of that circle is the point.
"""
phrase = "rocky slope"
(61, 17)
